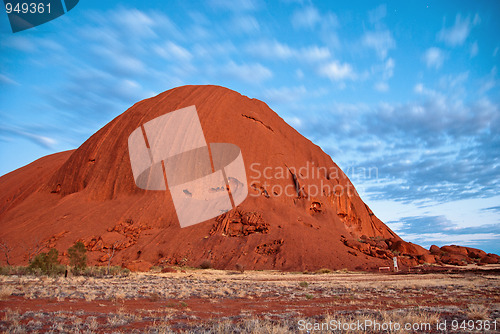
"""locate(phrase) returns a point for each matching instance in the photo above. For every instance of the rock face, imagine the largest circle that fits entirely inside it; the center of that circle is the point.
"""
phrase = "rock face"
(301, 213)
(461, 256)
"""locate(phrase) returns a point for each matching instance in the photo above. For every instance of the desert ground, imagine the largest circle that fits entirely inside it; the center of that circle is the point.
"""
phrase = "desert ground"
(216, 301)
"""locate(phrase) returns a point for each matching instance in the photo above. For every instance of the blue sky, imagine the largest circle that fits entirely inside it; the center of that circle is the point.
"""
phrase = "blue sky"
(403, 95)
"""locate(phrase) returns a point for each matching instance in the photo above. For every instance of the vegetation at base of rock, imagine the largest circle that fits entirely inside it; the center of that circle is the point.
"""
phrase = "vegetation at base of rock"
(240, 268)
(303, 284)
(46, 263)
(94, 271)
(206, 264)
(77, 256)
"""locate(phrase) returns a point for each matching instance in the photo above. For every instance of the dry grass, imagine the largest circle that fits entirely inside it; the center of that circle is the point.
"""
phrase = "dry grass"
(477, 312)
(340, 296)
(6, 291)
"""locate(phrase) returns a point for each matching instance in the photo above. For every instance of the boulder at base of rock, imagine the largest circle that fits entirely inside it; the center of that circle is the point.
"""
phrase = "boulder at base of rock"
(435, 250)
(495, 256)
(454, 259)
(408, 262)
(489, 260)
(112, 238)
(360, 246)
(428, 258)
(475, 253)
(408, 248)
(453, 249)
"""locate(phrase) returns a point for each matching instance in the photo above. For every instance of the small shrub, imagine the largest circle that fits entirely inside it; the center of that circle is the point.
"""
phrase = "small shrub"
(100, 271)
(155, 269)
(324, 271)
(119, 271)
(206, 264)
(14, 270)
(5, 270)
(240, 268)
(77, 256)
(303, 284)
(94, 271)
(19, 270)
(477, 312)
(309, 296)
(154, 297)
(46, 263)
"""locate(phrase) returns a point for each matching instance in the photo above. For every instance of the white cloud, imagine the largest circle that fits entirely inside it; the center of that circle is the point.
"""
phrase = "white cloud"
(313, 53)
(307, 17)
(325, 23)
(205, 50)
(246, 24)
(453, 82)
(476, 19)
(422, 90)
(129, 88)
(124, 64)
(277, 50)
(434, 57)
(382, 73)
(20, 43)
(170, 50)
(8, 81)
(288, 2)
(388, 69)
(294, 122)
(247, 72)
(267, 49)
(458, 33)
(235, 5)
(377, 14)
(337, 71)
(136, 24)
(381, 87)
(43, 141)
(474, 50)
(427, 239)
(489, 82)
(285, 94)
(380, 41)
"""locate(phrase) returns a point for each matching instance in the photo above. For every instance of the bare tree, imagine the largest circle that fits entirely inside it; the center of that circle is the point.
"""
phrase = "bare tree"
(111, 253)
(6, 251)
(34, 249)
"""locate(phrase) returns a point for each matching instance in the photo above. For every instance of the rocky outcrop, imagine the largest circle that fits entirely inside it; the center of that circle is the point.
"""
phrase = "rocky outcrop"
(238, 223)
(410, 254)
(301, 213)
(461, 256)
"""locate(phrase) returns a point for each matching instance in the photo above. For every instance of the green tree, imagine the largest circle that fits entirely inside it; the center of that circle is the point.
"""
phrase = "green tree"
(77, 256)
(46, 263)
